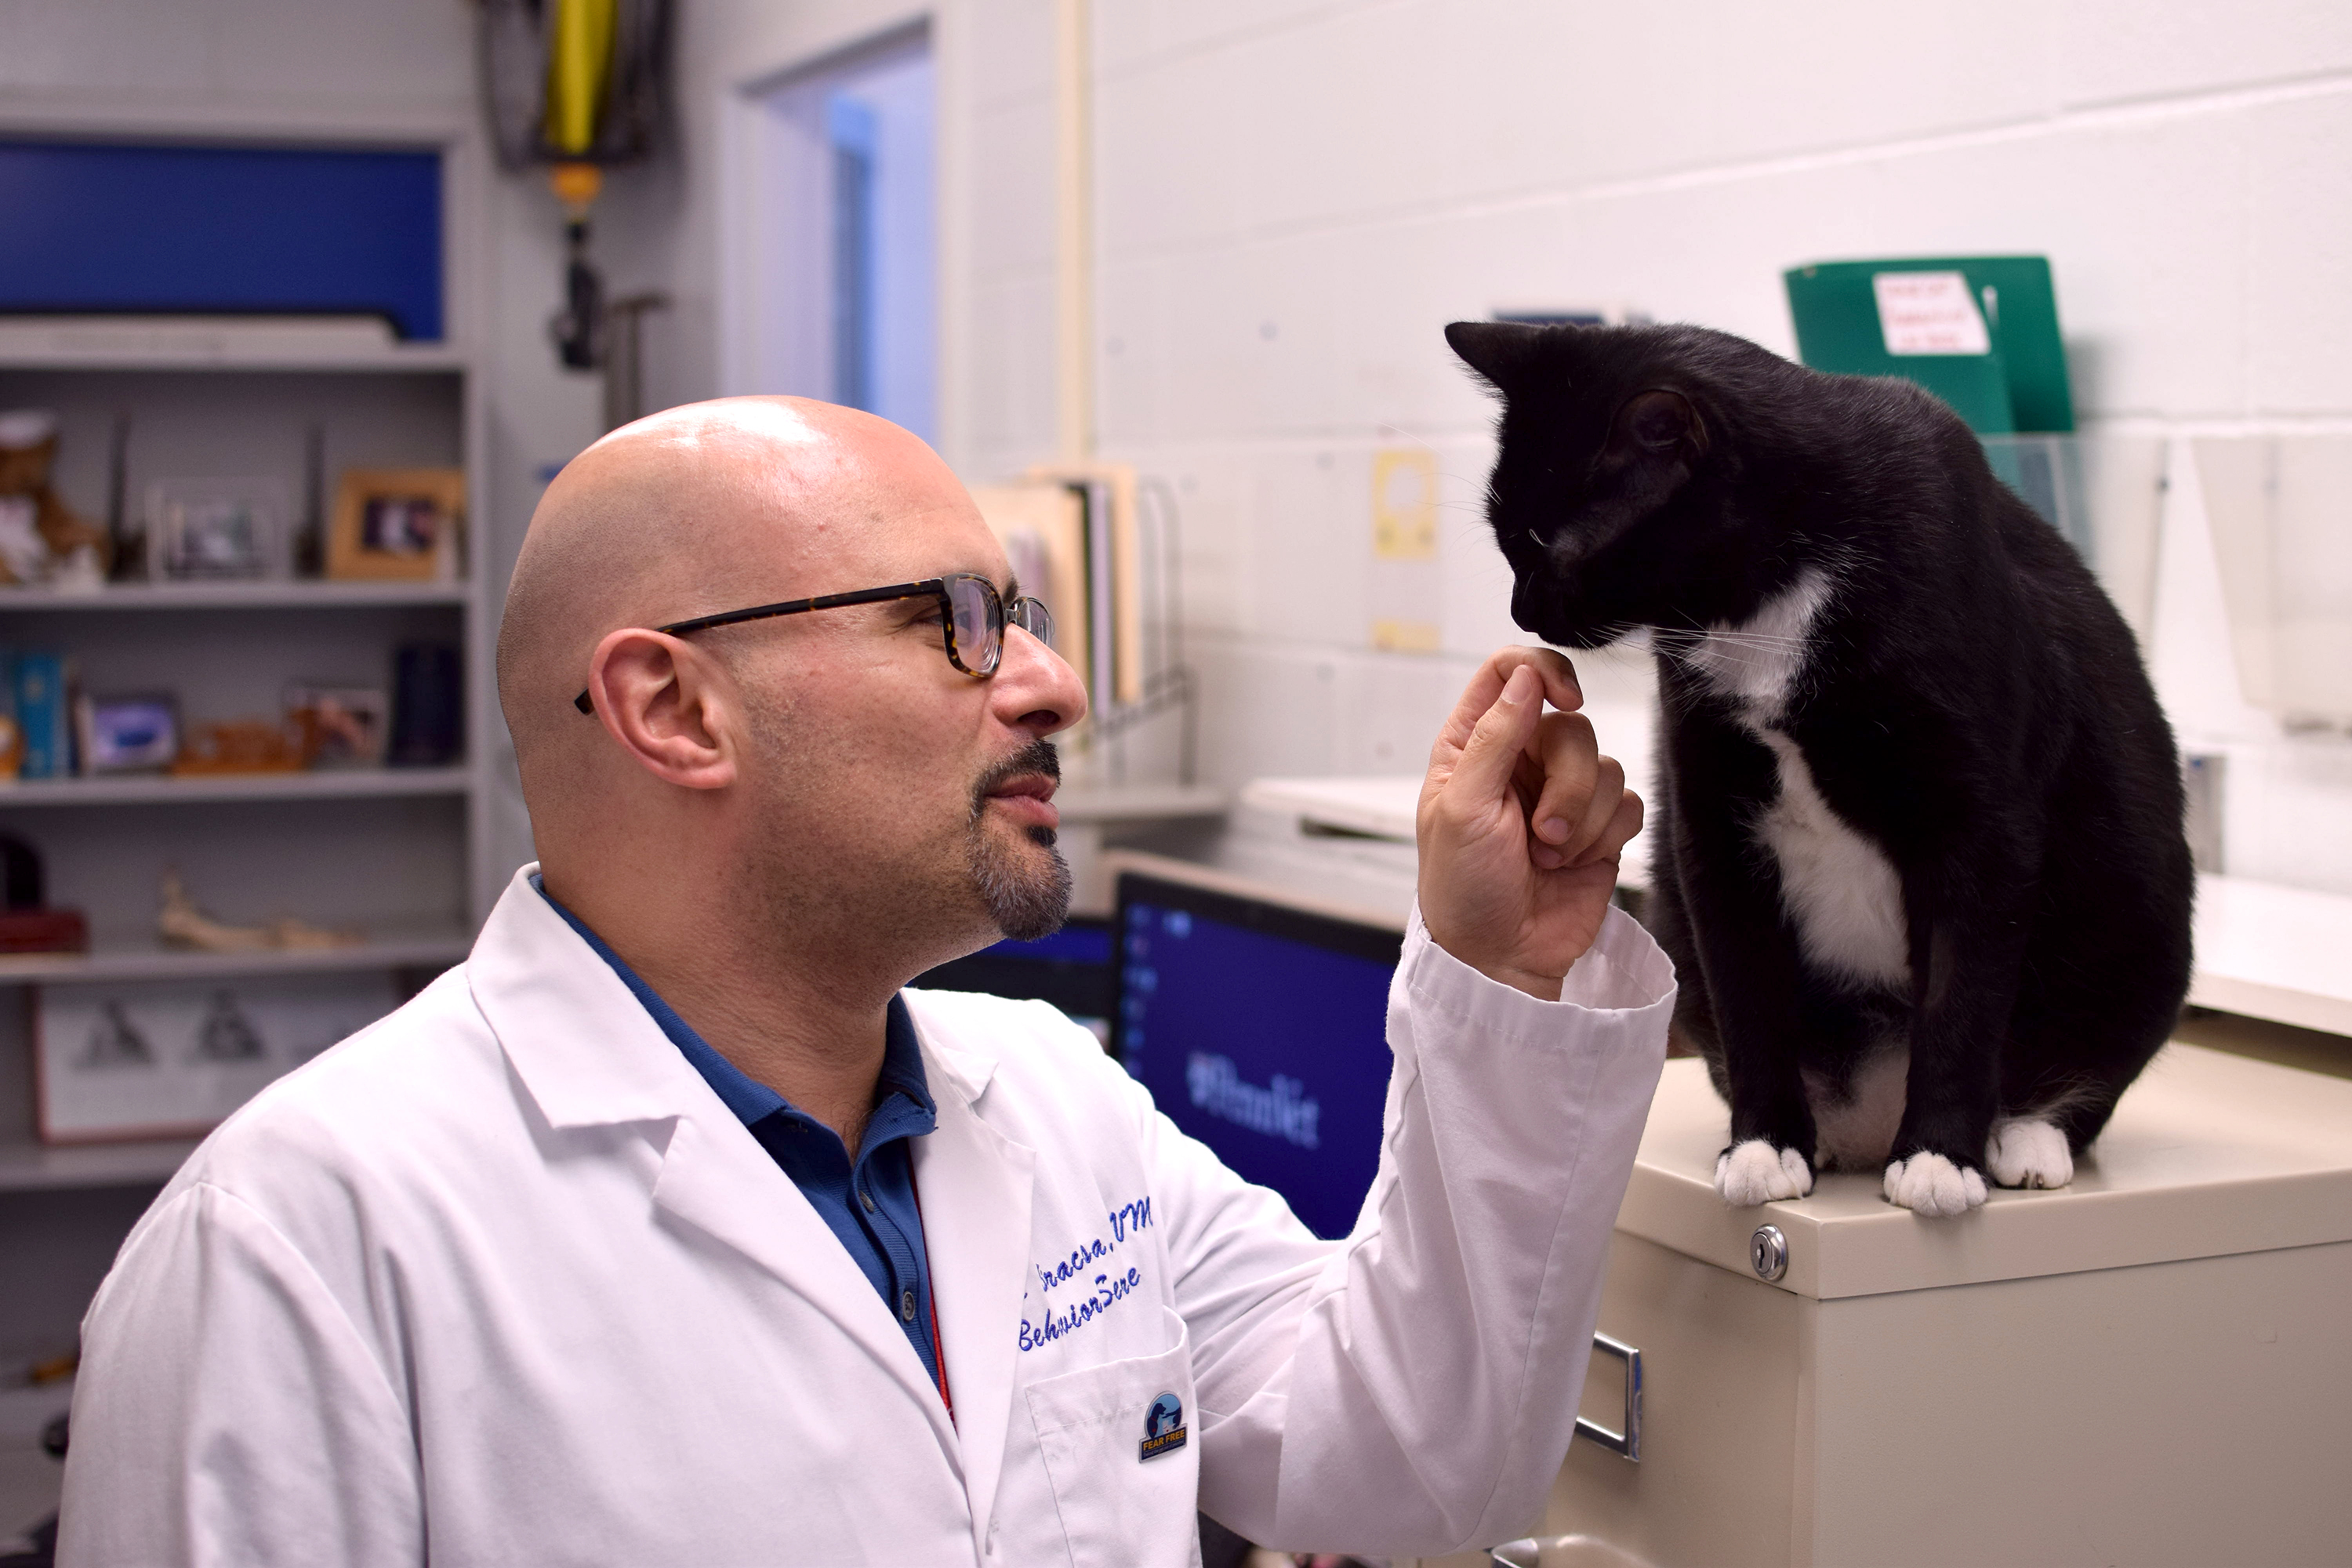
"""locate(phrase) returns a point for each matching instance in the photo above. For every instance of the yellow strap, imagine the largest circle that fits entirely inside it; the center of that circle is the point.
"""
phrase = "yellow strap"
(579, 66)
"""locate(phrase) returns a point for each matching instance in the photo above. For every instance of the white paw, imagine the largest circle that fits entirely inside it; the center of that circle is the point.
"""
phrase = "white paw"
(1756, 1173)
(2023, 1154)
(1931, 1185)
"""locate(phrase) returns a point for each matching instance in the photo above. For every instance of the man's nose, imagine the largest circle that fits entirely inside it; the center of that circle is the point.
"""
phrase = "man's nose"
(1034, 688)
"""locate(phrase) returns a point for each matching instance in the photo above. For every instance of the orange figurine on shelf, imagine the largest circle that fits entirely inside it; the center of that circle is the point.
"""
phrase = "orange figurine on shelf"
(242, 746)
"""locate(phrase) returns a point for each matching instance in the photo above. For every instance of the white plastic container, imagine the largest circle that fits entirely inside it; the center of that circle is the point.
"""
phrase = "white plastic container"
(2280, 507)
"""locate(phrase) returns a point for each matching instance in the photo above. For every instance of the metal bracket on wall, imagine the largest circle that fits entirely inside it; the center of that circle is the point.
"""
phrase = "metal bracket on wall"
(1627, 1442)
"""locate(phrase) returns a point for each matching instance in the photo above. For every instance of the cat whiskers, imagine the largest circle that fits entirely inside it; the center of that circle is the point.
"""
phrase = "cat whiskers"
(1719, 647)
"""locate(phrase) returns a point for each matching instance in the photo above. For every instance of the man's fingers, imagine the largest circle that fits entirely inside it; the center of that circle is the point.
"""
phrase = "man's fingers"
(1570, 760)
(1562, 688)
(1600, 808)
(1551, 667)
(1623, 823)
(1491, 753)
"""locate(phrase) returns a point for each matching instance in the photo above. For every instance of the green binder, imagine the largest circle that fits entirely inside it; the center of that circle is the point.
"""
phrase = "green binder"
(1986, 342)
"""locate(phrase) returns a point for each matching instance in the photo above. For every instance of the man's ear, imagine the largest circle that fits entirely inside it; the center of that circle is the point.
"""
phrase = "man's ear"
(1656, 423)
(665, 703)
(1500, 352)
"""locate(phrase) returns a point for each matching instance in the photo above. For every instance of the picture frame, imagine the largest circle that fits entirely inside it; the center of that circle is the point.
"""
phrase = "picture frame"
(231, 529)
(398, 525)
(132, 734)
(341, 726)
(172, 1058)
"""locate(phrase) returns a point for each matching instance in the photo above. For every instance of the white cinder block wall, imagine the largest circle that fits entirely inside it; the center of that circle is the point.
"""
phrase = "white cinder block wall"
(1293, 197)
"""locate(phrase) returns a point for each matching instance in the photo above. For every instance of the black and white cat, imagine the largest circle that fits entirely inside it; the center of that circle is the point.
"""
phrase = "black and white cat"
(1918, 851)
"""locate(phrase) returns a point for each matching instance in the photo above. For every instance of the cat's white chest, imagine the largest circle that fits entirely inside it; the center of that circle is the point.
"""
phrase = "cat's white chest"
(1841, 891)
(1837, 885)
(1758, 662)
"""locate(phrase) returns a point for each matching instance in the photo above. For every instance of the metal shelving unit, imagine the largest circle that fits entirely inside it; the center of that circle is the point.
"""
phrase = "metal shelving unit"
(133, 596)
(411, 948)
(140, 789)
(395, 852)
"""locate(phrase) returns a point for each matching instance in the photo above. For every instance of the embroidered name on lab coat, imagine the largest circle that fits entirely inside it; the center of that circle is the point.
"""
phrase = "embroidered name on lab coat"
(1100, 1289)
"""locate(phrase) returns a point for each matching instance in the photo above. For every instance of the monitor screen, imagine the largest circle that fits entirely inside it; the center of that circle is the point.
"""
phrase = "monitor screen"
(1072, 969)
(1261, 1029)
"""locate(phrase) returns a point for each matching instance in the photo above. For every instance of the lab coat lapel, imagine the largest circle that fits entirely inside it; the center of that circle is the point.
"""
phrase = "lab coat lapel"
(590, 1056)
(976, 1185)
(719, 1180)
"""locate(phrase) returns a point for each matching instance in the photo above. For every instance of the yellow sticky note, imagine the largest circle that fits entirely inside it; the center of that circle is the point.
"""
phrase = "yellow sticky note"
(1405, 637)
(1405, 504)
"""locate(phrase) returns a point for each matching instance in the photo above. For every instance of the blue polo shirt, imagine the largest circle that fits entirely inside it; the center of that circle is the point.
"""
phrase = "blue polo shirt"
(869, 1204)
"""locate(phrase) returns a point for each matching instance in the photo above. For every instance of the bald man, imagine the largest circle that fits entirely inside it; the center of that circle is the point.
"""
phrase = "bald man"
(670, 1229)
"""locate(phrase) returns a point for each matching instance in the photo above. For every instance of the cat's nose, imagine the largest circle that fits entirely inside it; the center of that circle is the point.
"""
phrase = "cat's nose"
(1532, 602)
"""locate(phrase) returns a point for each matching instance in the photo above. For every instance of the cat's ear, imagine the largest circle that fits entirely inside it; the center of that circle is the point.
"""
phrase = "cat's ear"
(1497, 351)
(1657, 423)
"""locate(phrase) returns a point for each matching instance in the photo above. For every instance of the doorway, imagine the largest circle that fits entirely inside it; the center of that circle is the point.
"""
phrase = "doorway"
(839, 295)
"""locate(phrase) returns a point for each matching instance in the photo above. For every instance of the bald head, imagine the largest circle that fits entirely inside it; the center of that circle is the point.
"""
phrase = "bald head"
(821, 795)
(709, 507)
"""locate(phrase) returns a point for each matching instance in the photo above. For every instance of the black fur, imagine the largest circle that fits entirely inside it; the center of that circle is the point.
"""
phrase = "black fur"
(1971, 702)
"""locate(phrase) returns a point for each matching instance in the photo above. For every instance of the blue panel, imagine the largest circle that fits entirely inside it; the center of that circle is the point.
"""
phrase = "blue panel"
(1079, 943)
(94, 227)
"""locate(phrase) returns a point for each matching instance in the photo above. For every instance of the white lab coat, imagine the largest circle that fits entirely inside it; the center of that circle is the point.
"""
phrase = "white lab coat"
(501, 1282)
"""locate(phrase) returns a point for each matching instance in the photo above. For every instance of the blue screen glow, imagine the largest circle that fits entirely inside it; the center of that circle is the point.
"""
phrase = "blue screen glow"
(1272, 1051)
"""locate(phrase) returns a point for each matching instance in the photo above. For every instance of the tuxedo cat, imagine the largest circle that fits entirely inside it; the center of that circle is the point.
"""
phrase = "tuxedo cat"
(1918, 850)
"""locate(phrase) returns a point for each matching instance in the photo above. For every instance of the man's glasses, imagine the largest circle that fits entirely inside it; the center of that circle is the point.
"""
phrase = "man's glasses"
(973, 616)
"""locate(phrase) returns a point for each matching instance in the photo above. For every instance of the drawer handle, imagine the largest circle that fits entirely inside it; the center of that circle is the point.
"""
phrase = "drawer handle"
(1627, 1443)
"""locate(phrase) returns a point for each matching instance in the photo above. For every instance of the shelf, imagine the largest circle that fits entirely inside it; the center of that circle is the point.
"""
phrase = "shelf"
(1375, 807)
(25, 1409)
(1140, 802)
(28, 1166)
(154, 790)
(2269, 951)
(215, 342)
(411, 949)
(2262, 950)
(302, 595)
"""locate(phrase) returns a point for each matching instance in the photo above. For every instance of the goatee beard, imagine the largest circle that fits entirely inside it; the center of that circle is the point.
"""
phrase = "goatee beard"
(1027, 896)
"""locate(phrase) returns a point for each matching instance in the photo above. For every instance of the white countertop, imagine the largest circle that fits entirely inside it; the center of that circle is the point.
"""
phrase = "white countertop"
(2208, 1154)
(2262, 950)
(2270, 951)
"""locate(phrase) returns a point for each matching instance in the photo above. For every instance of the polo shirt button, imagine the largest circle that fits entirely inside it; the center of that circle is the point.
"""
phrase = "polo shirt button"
(906, 1306)
(868, 1199)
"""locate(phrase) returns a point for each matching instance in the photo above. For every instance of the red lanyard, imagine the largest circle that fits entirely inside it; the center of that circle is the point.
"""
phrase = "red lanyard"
(938, 1355)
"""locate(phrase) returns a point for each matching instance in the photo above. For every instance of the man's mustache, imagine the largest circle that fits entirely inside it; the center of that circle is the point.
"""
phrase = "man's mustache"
(1037, 757)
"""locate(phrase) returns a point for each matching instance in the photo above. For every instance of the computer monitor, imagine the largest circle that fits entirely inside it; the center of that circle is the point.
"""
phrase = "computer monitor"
(1072, 969)
(1260, 1028)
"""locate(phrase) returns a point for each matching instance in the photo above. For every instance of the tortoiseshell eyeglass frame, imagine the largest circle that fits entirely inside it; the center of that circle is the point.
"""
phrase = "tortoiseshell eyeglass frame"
(1028, 613)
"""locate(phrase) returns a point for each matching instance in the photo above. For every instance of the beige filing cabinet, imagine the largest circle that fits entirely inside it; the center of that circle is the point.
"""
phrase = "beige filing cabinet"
(2152, 1366)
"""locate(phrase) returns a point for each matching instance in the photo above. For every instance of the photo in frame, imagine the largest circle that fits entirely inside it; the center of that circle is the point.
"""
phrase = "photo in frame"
(127, 734)
(172, 1058)
(398, 525)
(341, 726)
(203, 531)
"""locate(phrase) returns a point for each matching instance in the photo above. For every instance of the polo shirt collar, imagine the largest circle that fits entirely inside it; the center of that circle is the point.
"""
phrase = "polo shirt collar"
(749, 1100)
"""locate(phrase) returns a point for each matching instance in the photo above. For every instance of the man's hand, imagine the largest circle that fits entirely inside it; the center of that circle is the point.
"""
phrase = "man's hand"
(1520, 823)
